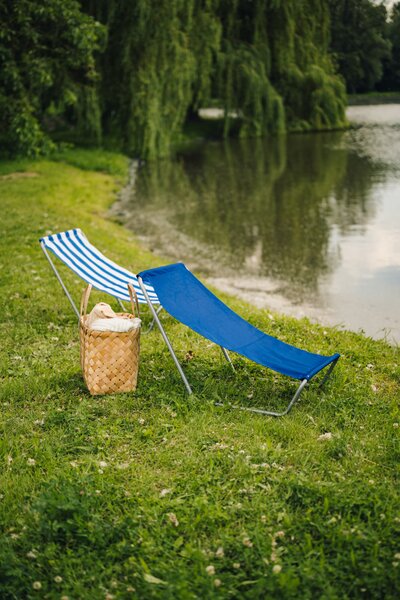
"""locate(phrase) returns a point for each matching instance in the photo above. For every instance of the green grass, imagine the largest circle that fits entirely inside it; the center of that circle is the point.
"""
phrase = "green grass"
(89, 486)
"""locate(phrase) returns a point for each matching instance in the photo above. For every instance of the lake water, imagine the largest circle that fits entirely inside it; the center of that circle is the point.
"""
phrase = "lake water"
(303, 224)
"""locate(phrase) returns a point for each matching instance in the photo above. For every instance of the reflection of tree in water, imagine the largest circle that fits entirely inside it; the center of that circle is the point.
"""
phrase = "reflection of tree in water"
(269, 204)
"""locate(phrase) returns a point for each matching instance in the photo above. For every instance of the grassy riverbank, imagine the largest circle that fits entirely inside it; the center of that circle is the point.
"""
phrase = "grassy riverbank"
(160, 495)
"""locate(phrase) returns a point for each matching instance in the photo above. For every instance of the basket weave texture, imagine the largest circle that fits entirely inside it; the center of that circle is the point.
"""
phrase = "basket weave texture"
(109, 359)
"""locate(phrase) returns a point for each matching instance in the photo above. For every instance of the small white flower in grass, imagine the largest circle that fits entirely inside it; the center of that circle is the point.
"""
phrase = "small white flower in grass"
(164, 492)
(97, 492)
(397, 556)
(236, 565)
(210, 570)
(374, 388)
(325, 436)
(220, 552)
(130, 589)
(263, 518)
(173, 519)
(217, 582)
(31, 462)
(73, 464)
(280, 534)
(247, 542)
(103, 464)
(58, 579)
(141, 421)
(109, 597)
(39, 422)
(395, 425)
(64, 597)
(37, 585)
(31, 554)
(276, 569)
(395, 564)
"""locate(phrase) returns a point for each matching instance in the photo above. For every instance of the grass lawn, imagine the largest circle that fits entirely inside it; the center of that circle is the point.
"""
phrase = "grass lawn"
(157, 495)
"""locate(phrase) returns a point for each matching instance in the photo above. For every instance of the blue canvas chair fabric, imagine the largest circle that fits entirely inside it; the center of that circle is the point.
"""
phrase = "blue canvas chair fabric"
(74, 249)
(188, 300)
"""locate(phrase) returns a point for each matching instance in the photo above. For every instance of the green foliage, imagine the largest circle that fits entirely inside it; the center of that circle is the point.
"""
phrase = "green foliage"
(88, 484)
(47, 68)
(391, 75)
(359, 41)
(264, 62)
(258, 60)
(157, 64)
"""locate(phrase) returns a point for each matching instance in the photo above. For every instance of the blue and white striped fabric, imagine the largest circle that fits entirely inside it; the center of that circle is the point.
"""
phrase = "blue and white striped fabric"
(74, 249)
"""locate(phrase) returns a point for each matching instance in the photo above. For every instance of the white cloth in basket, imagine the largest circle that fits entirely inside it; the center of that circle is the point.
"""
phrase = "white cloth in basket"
(103, 318)
(119, 324)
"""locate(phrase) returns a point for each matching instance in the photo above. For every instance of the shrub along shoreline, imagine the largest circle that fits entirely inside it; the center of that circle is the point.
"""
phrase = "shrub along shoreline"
(160, 495)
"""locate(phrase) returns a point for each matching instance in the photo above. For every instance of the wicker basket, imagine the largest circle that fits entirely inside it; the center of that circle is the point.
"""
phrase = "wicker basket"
(109, 359)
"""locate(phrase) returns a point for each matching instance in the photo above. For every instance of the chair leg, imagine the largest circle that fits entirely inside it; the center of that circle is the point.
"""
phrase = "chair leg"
(150, 327)
(328, 373)
(270, 413)
(56, 273)
(227, 357)
(165, 337)
(121, 305)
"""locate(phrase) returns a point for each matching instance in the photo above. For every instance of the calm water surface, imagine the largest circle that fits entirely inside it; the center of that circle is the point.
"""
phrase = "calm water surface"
(304, 224)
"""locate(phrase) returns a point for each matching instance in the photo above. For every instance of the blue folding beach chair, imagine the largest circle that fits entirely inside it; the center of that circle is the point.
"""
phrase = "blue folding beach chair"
(183, 296)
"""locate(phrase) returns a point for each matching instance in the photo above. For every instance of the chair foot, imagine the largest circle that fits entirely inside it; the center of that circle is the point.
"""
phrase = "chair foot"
(270, 413)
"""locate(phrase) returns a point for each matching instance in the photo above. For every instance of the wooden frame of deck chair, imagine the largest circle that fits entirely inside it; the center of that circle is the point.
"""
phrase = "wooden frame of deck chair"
(85, 260)
(184, 297)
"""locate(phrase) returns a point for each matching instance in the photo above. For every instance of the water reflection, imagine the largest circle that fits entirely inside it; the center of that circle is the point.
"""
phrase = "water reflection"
(287, 209)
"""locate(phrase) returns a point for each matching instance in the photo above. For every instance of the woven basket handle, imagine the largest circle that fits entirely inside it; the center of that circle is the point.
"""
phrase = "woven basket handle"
(134, 300)
(132, 295)
(85, 300)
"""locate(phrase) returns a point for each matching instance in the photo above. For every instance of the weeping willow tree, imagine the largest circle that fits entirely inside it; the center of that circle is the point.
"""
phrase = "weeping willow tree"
(264, 62)
(139, 70)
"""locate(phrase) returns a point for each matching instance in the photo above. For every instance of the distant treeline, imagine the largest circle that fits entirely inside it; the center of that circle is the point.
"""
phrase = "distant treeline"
(365, 44)
(134, 72)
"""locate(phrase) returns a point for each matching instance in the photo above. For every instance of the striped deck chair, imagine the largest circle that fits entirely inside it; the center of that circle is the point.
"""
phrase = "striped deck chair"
(74, 249)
